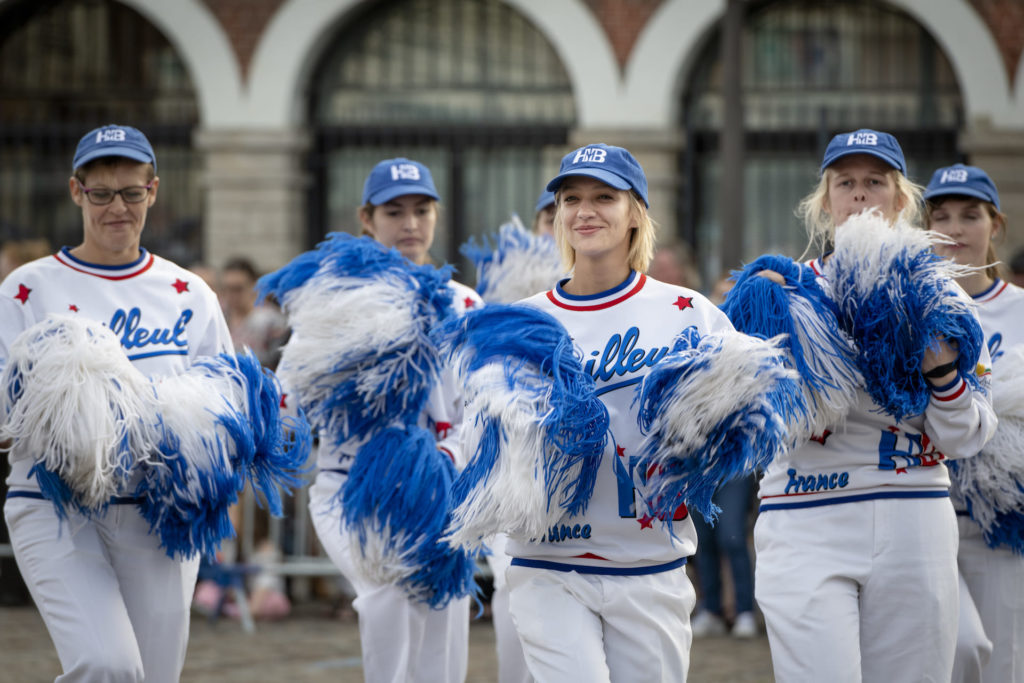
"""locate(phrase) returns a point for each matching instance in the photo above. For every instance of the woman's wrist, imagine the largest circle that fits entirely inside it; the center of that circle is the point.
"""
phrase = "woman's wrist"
(941, 375)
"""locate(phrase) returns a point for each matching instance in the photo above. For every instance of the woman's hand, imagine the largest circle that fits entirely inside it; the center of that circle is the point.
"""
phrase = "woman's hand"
(939, 363)
(772, 275)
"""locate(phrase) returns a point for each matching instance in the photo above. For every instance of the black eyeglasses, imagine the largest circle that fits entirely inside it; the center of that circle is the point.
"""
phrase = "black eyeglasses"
(102, 196)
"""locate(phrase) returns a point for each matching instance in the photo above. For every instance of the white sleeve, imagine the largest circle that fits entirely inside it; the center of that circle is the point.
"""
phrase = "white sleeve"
(959, 418)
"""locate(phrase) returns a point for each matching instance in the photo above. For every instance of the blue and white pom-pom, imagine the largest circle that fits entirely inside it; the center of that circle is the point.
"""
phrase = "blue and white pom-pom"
(991, 484)
(73, 402)
(713, 408)
(360, 356)
(395, 504)
(533, 425)
(802, 312)
(519, 265)
(220, 429)
(895, 298)
(92, 422)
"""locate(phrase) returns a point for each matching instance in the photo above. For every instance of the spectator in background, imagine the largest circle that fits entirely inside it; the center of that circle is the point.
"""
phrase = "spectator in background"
(13, 253)
(263, 328)
(544, 219)
(673, 263)
(208, 274)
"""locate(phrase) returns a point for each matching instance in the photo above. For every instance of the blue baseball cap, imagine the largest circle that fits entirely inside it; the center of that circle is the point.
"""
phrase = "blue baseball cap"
(396, 178)
(114, 141)
(959, 179)
(546, 199)
(865, 141)
(613, 166)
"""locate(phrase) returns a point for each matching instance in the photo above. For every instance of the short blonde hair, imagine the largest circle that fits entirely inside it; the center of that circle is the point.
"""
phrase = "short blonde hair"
(992, 269)
(820, 224)
(641, 243)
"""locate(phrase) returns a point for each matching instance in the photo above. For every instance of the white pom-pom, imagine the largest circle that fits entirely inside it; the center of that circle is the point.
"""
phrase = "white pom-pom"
(73, 402)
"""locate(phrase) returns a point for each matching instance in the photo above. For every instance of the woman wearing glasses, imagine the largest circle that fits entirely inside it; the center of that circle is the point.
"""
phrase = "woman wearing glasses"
(115, 604)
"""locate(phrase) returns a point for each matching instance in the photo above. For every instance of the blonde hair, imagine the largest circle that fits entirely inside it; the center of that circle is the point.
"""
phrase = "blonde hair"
(992, 269)
(641, 242)
(820, 224)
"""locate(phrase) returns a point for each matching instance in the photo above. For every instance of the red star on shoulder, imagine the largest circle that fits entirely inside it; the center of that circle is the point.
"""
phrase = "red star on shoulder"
(469, 302)
(620, 451)
(901, 470)
(284, 400)
(72, 307)
(22, 294)
(646, 522)
(684, 302)
(180, 285)
(441, 428)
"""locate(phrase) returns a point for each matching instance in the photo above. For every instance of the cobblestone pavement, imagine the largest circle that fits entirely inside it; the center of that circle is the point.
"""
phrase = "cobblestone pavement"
(313, 646)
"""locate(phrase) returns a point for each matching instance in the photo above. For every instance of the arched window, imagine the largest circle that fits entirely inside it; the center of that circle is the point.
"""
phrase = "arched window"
(810, 70)
(67, 67)
(468, 87)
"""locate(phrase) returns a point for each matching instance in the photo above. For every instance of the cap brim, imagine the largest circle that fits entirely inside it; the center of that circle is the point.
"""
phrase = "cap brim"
(870, 152)
(605, 177)
(127, 152)
(961, 191)
(395, 191)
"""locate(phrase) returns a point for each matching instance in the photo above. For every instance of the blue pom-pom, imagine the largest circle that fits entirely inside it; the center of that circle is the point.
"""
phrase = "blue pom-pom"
(348, 386)
(396, 502)
(714, 408)
(539, 360)
(895, 298)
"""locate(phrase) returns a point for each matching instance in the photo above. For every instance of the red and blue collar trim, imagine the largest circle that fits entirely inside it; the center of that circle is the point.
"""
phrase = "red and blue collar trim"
(997, 288)
(119, 272)
(595, 302)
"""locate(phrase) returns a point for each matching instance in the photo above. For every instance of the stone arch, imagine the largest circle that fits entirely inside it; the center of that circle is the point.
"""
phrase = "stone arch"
(278, 74)
(206, 51)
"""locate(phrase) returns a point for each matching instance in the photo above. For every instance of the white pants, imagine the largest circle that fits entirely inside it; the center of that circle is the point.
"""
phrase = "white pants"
(511, 661)
(861, 591)
(600, 628)
(990, 644)
(402, 641)
(116, 607)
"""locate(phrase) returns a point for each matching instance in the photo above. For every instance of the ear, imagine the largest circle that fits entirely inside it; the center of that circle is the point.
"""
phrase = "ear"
(77, 196)
(366, 220)
(152, 192)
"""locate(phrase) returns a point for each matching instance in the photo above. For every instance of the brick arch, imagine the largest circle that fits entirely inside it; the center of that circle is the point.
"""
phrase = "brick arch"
(294, 40)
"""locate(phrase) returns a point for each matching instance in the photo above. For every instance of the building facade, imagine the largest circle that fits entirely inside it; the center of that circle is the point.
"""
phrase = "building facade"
(269, 113)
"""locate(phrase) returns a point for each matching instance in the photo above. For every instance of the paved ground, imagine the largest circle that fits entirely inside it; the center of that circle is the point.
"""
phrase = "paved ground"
(314, 646)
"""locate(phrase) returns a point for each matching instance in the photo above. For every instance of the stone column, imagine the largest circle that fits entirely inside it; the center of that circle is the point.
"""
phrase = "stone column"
(254, 184)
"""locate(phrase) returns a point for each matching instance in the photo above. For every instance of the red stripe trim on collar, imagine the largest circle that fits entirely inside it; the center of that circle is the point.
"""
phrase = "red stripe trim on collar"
(142, 268)
(596, 307)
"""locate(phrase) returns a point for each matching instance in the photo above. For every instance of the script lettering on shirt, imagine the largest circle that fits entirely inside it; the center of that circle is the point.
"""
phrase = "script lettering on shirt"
(562, 532)
(816, 481)
(128, 327)
(994, 342)
(621, 357)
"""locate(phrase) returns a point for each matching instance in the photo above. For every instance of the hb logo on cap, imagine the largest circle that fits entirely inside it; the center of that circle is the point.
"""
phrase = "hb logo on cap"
(405, 172)
(111, 135)
(590, 155)
(862, 138)
(953, 175)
